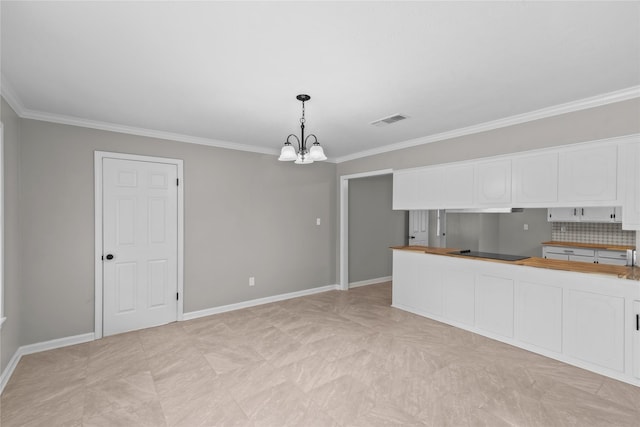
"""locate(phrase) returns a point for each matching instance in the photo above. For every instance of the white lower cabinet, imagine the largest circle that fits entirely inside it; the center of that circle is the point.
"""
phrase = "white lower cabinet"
(539, 315)
(459, 296)
(494, 305)
(588, 320)
(594, 326)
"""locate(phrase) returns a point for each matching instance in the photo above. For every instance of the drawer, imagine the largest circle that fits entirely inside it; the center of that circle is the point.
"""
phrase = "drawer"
(612, 254)
(570, 251)
(612, 261)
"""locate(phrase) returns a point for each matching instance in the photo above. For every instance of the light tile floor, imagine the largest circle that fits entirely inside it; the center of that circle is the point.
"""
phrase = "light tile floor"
(330, 359)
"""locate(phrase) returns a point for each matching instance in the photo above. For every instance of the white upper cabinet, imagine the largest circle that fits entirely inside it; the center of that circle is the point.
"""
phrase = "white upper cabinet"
(417, 189)
(535, 180)
(458, 186)
(493, 183)
(588, 175)
(630, 179)
(589, 214)
(605, 173)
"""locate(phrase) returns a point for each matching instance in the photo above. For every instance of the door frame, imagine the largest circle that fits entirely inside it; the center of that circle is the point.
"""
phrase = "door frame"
(344, 221)
(98, 157)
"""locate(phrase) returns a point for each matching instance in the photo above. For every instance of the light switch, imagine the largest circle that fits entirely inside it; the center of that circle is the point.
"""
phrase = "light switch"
(526, 227)
(317, 221)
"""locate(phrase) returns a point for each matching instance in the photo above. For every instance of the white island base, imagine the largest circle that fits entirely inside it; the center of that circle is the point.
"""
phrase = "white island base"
(586, 320)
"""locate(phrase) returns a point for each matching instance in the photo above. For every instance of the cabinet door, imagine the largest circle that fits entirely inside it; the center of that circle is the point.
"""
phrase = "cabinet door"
(459, 300)
(617, 214)
(458, 186)
(597, 214)
(595, 329)
(417, 189)
(630, 158)
(539, 315)
(493, 183)
(563, 215)
(535, 179)
(588, 174)
(494, 305)
(407, 278)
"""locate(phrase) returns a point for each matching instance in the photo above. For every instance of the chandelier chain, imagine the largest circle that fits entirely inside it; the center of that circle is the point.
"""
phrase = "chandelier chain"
(302, 119)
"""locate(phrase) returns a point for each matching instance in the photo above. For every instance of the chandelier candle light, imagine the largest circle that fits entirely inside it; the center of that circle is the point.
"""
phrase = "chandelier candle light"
(303, 156)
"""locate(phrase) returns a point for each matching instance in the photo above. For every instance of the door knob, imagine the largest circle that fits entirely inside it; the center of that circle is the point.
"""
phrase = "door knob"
(412, 237)
(109, 256)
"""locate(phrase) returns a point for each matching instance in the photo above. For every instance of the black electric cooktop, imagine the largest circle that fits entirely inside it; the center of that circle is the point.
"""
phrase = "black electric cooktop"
(490, 255)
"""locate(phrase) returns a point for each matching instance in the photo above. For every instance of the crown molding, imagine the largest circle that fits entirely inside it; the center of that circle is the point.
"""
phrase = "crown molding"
(7, 92)
(14, 101)
(112, 127)
(569, 107)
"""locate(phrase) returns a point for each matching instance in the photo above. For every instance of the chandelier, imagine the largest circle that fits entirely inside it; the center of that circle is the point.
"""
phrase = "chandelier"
(303, 156)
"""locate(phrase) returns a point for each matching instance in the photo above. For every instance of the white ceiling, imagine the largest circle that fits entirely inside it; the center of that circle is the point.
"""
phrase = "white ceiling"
(227, 73)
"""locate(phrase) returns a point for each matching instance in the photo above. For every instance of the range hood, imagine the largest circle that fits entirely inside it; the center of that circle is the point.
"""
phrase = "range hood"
(486, 210)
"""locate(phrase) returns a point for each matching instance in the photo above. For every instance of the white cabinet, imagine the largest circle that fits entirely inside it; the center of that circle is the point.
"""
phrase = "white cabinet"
(416, 284)
(539, 315)
(588, 174)
(435, 187)
(494, 305)
(493, 183)
(585, 319)
(416, 189)
(459, 296)
(587, 214)
(458, 186)
(535, 180)
(567, 253)
(610, 257)
(594, 329)
(630, 177)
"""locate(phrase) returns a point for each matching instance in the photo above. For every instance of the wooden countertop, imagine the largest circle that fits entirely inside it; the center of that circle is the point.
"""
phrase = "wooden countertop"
(630, 273)
(589, 245)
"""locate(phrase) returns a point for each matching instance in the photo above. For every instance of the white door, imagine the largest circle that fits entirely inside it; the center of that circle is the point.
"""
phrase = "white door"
(419, 228)
(140, 244)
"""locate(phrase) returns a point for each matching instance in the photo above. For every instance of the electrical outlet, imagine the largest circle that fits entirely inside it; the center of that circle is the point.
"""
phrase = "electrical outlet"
(563, 229)
(252, 281)
(526, 227)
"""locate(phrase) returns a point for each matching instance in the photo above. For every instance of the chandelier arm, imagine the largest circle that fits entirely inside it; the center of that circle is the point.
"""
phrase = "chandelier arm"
(297, 140)
(315, 140)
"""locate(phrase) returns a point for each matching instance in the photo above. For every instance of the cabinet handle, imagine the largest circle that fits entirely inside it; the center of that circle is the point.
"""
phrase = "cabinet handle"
(637, 322)
(575, 211)
(568, 251)
(582, 212)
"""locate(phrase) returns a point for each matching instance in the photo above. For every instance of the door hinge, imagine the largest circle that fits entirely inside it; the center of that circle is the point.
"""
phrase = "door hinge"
(178, 181)
(177, 296)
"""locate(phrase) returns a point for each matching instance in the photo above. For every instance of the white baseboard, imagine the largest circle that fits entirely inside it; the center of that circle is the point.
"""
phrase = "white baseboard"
(252, 303)
(369, 282)
(38, 347)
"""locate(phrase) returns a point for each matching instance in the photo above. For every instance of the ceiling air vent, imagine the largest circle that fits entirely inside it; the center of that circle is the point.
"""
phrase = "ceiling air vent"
(388, 120)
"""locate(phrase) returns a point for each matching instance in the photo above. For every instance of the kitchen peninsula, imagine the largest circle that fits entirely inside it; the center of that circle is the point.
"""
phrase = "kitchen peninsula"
(582, 314)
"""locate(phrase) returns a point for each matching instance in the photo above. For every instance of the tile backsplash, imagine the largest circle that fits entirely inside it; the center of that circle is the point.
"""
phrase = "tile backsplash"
(592, 232)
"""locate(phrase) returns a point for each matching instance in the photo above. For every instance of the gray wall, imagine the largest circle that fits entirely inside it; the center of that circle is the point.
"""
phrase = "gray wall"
(373, 227)
(622, 118)
(10, 338)
(502, 233)
(513, 239)
(246, 214)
